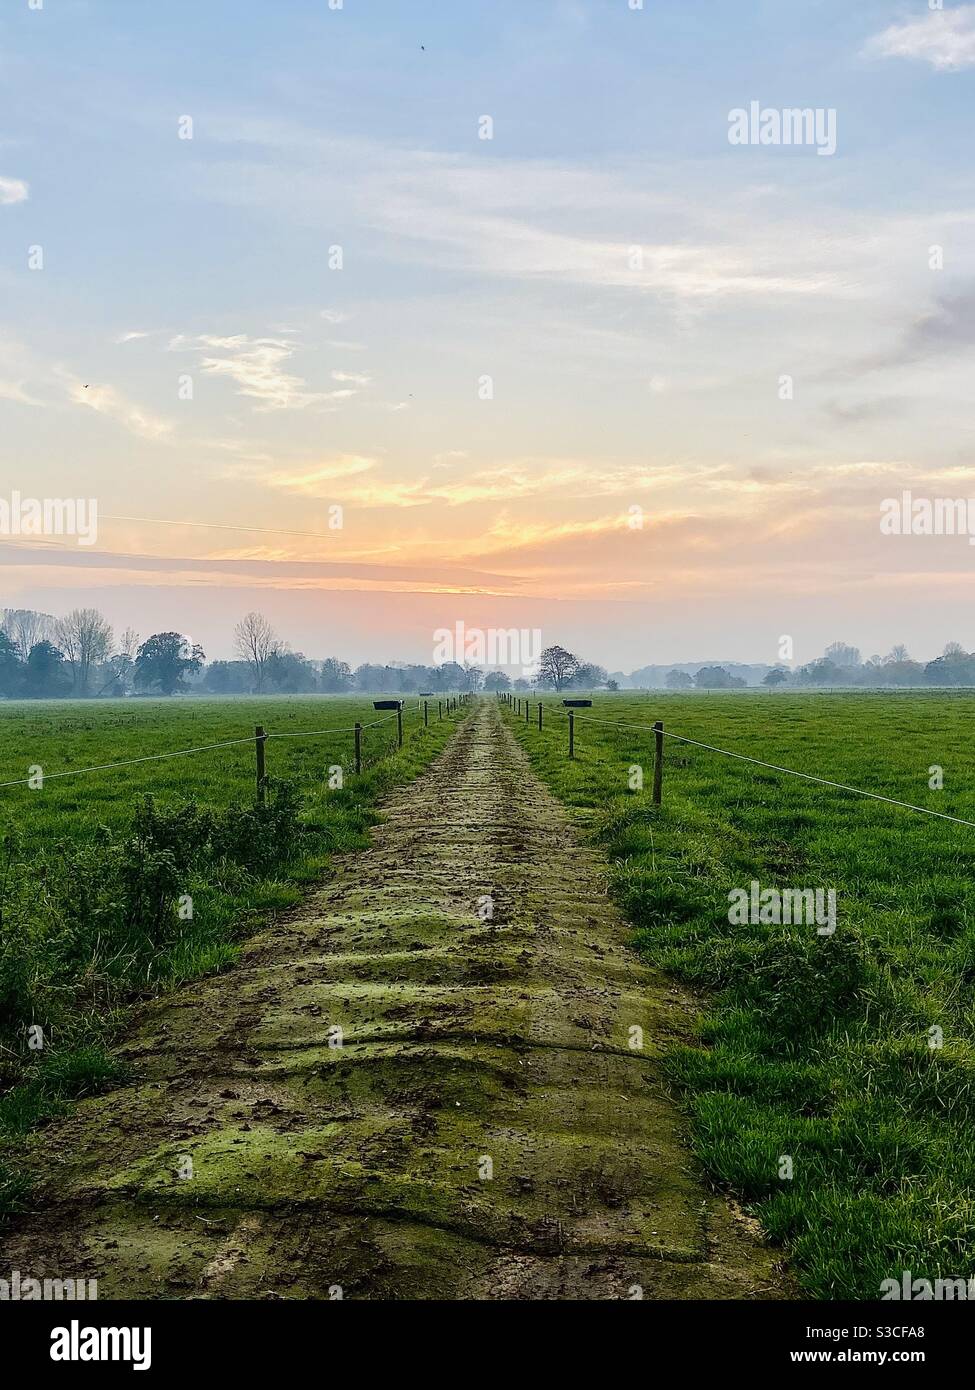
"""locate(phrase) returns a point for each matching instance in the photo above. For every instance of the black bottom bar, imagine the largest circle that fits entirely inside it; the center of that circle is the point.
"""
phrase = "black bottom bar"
(254, 1338)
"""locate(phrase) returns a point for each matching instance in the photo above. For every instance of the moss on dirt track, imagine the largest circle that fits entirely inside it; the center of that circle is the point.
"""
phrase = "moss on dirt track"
(469, 1046)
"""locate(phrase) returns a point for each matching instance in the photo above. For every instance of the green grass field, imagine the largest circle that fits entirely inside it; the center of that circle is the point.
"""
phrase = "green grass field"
(815, 1053)
(105, 897)
(814, 1048)
(62, 736)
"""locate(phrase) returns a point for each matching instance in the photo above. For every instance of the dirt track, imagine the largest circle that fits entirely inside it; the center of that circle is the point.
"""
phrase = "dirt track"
(484, 1130)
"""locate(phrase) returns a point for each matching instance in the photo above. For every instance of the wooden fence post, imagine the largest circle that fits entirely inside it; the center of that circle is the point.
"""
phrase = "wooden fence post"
(658, 762)
(259, 737)
(399, 727)
(528, 713)
(539, 716)
(440, 709)
(572, 735)
(426, 714)
(358, 748)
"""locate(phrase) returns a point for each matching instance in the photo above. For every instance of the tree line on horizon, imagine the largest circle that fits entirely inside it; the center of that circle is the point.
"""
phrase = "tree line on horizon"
(841, 664)
(79, 656)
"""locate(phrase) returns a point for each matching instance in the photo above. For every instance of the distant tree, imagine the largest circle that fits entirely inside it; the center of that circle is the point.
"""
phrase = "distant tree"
(25, 628)
(678, 680)
(254, 641)
(164, 660)
(84, 639)
(904, 672)
(612, 685)
(115, 675)
(11, 667)
(335, 678)
(391, 680)
(473, 676)
(521, 684)
(717, 678)
(587, 676)
(841, 654)
(953, 649)
(556, 667)
(289, 673)
(227, 678)
(825, 672)
(954, 668)
(45, 676)
(497, 680)
(368, 677)
(777, 676)
(452, 673)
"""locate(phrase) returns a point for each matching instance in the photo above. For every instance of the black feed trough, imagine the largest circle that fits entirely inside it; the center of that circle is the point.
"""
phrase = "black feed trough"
(387, 704)
(578, 704)
(425, 694)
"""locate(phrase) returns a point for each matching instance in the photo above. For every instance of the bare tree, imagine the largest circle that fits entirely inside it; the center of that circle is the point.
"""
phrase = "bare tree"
(26, 628)
(256, 642)
(119, 668)
(842, 654)
(84, 638)
(128, 644)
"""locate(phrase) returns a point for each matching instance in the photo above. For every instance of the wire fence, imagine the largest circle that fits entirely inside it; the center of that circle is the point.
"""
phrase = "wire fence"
(449, 705)
(573, 717)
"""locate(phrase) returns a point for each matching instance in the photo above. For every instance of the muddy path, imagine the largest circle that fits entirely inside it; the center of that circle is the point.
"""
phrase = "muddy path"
(480, 1127)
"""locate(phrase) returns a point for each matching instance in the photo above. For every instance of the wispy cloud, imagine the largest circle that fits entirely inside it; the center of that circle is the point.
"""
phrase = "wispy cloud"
(106, 400)
(516, 219)
(943, 38)
(501, 484)
(14, 391)
(13, 191)
(254, 365)
(257, 367)
(20, 372)
(310, 480)
(514, 249)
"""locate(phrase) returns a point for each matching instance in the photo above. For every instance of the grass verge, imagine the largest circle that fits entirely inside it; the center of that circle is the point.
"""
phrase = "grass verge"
(122, 901)
(833, 1089)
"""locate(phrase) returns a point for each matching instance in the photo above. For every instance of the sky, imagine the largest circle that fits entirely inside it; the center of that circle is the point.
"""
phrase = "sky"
(318, 347)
